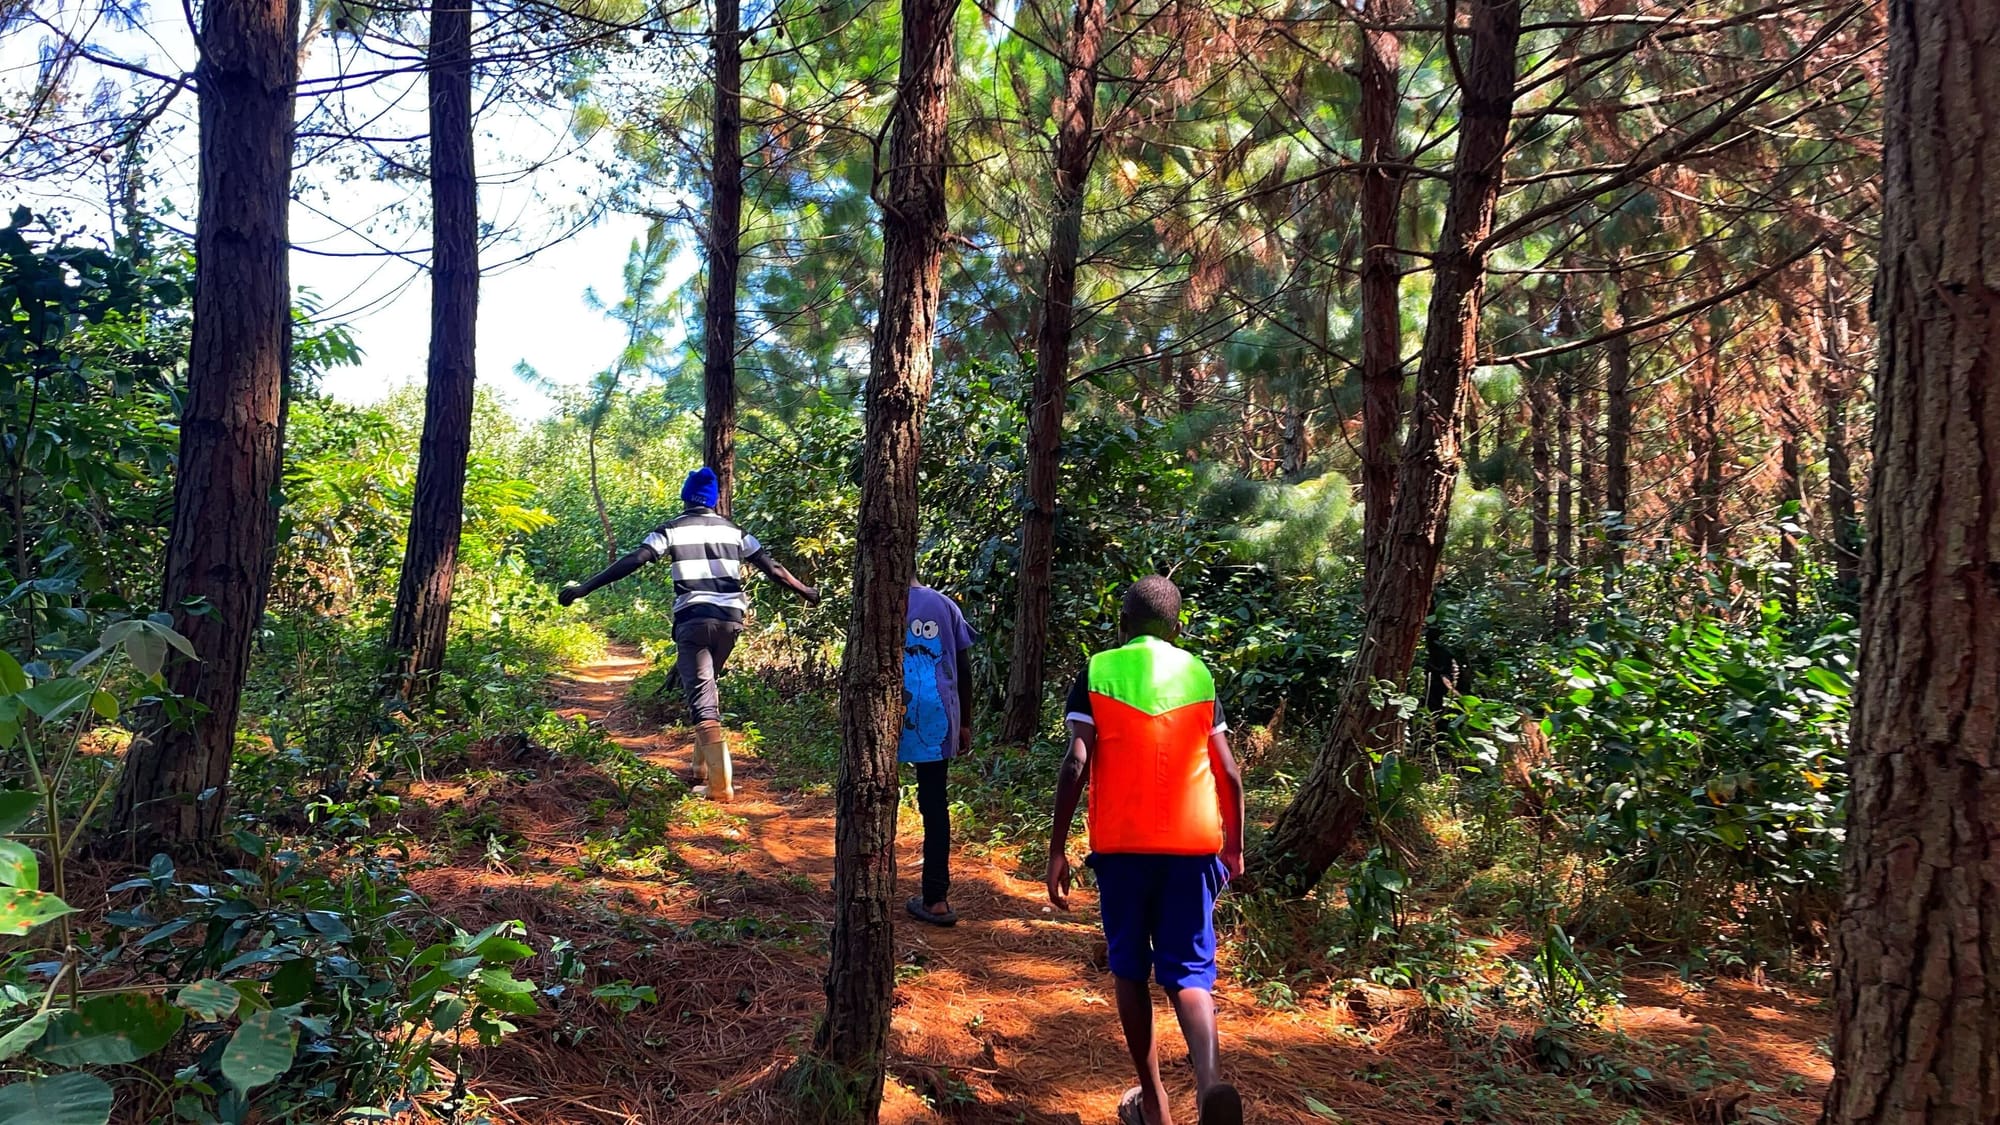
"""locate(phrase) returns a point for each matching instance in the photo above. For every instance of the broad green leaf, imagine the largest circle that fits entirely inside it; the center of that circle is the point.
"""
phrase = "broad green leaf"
(16, 807)
(18, 866)
(104, 704)
(260, 1051)
(292, 982)
(22, 910)
(447, 1012)
(252, 993)
(63, 1099)
(209, 999)
(108, 1030)
(12, 679)
(145, 642)
(480, 938)
(497, 989)
(503, 950)
(146, 649)
(30, 1030)
(329, 925)
(57, 699)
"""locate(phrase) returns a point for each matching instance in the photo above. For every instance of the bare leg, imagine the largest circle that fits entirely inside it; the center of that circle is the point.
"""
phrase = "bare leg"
(1135, 1012)
(1219, 1102)
(1195, 1008)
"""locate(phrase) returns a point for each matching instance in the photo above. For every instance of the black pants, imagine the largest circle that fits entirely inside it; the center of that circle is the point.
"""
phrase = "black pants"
(702, 646)
(936, 810)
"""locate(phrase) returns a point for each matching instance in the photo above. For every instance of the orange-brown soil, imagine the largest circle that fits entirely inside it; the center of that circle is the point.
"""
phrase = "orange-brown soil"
(1002, 1019)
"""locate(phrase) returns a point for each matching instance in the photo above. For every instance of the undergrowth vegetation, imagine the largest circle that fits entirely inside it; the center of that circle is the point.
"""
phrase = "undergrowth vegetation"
(1602, 770)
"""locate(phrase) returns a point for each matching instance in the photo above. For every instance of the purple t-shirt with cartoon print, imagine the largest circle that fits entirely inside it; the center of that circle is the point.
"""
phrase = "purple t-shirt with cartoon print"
(934, 634)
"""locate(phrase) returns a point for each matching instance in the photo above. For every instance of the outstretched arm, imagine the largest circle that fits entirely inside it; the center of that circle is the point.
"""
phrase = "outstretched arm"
(763, 561)
(633, 560)
(1069, 791)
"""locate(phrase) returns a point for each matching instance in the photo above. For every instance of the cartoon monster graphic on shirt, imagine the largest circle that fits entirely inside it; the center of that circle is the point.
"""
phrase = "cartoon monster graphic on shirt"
(926, 724)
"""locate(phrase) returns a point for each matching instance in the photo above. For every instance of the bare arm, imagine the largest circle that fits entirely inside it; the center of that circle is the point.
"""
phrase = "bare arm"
(1069, 792)
(763, 561)
(1229, 789)
(633, 560)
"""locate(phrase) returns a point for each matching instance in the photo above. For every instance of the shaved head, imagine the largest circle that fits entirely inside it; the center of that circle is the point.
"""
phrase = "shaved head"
(1152, 607)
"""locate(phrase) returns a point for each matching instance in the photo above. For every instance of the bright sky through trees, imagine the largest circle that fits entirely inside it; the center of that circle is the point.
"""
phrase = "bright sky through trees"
(360, 239)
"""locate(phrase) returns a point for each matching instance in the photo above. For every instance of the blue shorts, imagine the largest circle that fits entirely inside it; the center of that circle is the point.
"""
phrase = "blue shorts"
(1159, 914)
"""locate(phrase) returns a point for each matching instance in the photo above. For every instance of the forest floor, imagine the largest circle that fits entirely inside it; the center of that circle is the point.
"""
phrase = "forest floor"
(1002, 1019)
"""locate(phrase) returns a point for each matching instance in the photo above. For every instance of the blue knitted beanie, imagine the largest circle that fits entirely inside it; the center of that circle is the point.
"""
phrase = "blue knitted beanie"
(701, 488)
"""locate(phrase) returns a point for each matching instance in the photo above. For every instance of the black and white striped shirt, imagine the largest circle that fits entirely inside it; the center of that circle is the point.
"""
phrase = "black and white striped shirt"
(707, 553)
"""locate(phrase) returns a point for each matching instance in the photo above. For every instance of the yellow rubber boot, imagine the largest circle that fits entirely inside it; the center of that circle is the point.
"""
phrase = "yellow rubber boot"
(700, 756)
(713, 748)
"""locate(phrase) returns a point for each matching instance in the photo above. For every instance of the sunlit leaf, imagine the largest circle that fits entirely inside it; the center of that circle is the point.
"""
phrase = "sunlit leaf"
(22, 910)
(108, 1030)
(261, 1050)
(18, 866)
(210, 1000)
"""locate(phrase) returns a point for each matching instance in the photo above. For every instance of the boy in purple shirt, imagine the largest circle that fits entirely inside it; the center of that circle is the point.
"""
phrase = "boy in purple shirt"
(937, 725)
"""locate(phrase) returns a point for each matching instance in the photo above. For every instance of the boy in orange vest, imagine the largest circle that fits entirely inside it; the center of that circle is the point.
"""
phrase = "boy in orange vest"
(1166, 834)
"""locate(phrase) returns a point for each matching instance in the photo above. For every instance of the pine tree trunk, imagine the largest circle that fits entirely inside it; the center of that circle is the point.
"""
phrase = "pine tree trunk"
(1075, 148)
(1565, 452)
(1617, 434)
(1705, 412)
(175, 788)
(437, 515)
(1292, 438)
(1793, 360)
(860, 977)
(1473, 427)
(1321, 820)
(1589, 484)
(725, 253)
(1833, 392)
(1381, 285)
(1541, 496)
(1917, 951)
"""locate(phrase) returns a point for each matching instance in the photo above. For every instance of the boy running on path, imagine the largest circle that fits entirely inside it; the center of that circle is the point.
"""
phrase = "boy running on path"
(707, 552)
(1166, 834)
(937, 725)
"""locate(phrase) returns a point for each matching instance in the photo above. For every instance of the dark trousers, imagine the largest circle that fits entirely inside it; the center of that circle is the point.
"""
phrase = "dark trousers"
(702, 646)
(936, 810)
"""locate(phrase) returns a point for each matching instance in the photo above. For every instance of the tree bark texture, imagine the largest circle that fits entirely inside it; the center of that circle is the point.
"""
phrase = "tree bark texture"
(1381, 285)
(1917, 951)
(1541, 496)
(1844, 522)
(1794, 358)
(860, 977)
(725, 255)
(176, 784)
(1075, 149)
(1565, 471)
(422, 618)
(1589, 482)
(1321, 820)
(1618, 431)
(1705, 422)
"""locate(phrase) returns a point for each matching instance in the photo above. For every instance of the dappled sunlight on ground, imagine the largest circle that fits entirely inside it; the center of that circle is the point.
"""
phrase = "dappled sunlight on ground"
(1001, 1019)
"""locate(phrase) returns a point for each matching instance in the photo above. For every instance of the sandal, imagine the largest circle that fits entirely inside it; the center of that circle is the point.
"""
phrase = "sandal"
(1221, 1105)
(923, 913)
(1132, 1107)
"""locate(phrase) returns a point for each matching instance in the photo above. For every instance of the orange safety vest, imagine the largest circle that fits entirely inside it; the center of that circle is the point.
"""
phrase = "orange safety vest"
(1152, 790)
